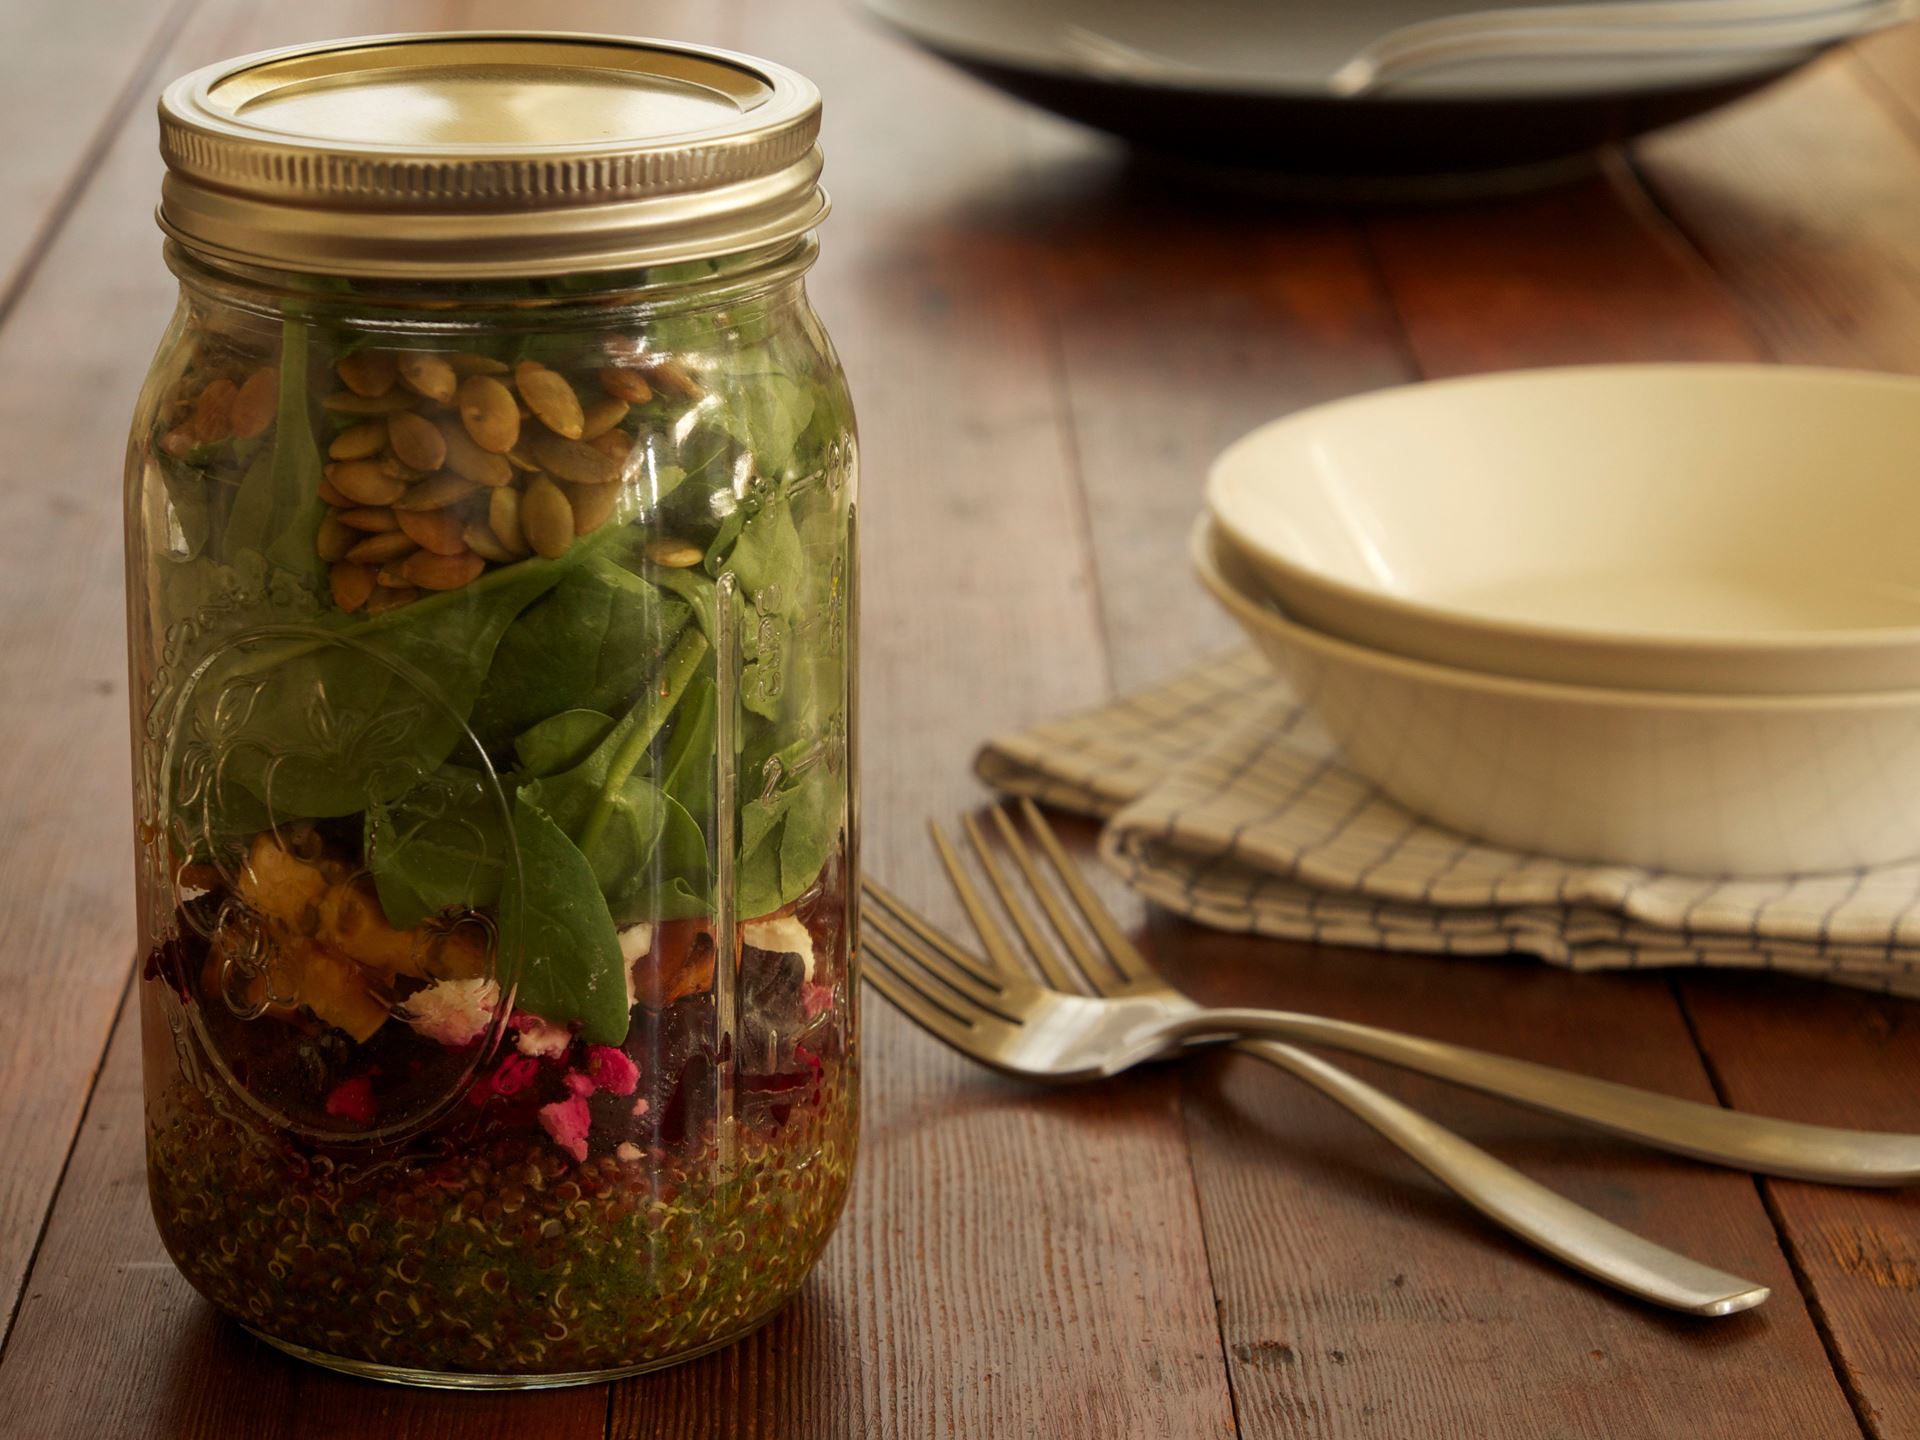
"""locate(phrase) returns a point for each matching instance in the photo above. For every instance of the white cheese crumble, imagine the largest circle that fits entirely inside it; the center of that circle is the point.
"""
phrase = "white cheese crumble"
(782, 936)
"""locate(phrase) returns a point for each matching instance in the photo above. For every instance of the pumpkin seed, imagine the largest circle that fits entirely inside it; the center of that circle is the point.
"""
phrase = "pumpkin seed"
(671, 376)
(467, 363)
(417, 441)
(385, 598)
(601, 416)
(346, 402)
(357, 442)
(490, 413)
(332, 496)
(573, 460)
(550, 397)
(428, 375)
(365, 483)
(483, 467)
(369, 519)
(674, 554)
(615, 444)
(335, 538)
(484, 543)
(593, 505)
(255, 403)
(443, 572)
(436, 531)
(628, 385)
(377, 549)
(546, 518)
(520, 460)
(213, 411)
(368, 372)
(436, 492)
(351, 584)
(503, 518)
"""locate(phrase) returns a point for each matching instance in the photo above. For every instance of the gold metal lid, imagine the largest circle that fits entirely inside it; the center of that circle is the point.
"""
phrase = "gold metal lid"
(488, 154)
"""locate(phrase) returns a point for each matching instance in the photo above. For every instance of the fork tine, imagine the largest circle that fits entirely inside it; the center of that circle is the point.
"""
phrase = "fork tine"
(928, 931)
(1044, 955)
(1097, 974)
(1120, 950)
(970, 994)
(940, 1023)
(988, 929)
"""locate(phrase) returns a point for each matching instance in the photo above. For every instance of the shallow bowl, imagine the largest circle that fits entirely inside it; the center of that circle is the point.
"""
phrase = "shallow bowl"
(1720, 528)
(1720, 785)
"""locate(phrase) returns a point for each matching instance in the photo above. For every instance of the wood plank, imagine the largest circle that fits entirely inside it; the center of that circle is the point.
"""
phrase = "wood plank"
(1838, 1058)
(1808, 203)
(65, 90)
(1356, 1297)
(1012, 1261)
(104, 1286)
(1009, 1278)
(1589, 273)
(1892, 60)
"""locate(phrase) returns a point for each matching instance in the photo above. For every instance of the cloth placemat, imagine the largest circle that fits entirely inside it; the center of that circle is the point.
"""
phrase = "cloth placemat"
(1227, 803)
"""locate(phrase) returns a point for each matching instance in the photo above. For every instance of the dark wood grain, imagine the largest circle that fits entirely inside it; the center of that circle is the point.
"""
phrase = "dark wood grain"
(1006, 1279)
(1317, 1313)
(65, 90)
(1806, 203)
(1012, 1262)
(1046, 346)
(1843, 1059)
(1588, 274)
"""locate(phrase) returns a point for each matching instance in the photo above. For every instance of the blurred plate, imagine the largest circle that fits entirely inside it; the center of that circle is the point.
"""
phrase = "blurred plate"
(1242, 83)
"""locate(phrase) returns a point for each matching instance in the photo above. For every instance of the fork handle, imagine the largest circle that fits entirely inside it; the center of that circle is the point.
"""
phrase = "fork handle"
(1685, 1127)
(1544, 1219)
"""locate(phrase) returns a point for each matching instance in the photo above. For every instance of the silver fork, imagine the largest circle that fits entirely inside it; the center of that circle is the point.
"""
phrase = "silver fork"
(1143, 1016)
(990, 1012)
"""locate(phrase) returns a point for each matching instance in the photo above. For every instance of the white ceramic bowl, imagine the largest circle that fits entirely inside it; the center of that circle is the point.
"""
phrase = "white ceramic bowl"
(1704, 784)
(1724, 528)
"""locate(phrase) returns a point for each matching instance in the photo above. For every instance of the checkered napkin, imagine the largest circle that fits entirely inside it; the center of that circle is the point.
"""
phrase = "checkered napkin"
(1229, 805)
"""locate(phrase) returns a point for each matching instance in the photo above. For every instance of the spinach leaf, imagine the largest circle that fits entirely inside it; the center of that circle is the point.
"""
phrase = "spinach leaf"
(767, 413)
(277, 508)
(189, 493)
(588, 645)
(786, 837)
(440, 846)
(322, 718)
(616, 815)
(561, 741)
(555, 922)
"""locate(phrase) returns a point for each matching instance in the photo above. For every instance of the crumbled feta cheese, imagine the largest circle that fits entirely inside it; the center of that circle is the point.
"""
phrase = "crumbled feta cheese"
(784, 935)
(540, 1037)
(454, 1012)
(627, 1152)
(636, 943)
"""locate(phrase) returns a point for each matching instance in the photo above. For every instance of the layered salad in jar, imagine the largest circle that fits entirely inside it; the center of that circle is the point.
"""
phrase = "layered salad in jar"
(494, 778)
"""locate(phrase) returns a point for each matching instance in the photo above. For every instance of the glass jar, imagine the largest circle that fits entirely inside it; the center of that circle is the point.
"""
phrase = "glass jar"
(491, 598)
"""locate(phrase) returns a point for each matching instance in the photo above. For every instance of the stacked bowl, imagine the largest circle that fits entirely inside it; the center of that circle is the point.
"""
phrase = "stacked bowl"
(1660, 616)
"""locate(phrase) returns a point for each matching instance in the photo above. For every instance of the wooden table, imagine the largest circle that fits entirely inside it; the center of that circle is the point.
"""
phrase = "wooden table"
(1045, 351)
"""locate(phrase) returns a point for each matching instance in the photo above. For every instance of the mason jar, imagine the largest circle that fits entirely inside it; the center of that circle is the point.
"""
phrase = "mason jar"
(491, 573)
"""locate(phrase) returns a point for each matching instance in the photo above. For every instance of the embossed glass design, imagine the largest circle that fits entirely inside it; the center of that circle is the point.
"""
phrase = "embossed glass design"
(493, 655)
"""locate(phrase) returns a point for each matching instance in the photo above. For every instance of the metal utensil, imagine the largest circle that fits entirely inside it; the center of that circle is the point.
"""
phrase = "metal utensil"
(1159, 1017)
(989, 1011)
(1664, 28)
(1655, 28)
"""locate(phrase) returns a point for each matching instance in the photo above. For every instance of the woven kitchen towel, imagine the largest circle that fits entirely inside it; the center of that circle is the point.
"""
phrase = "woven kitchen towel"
(1228, 804)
